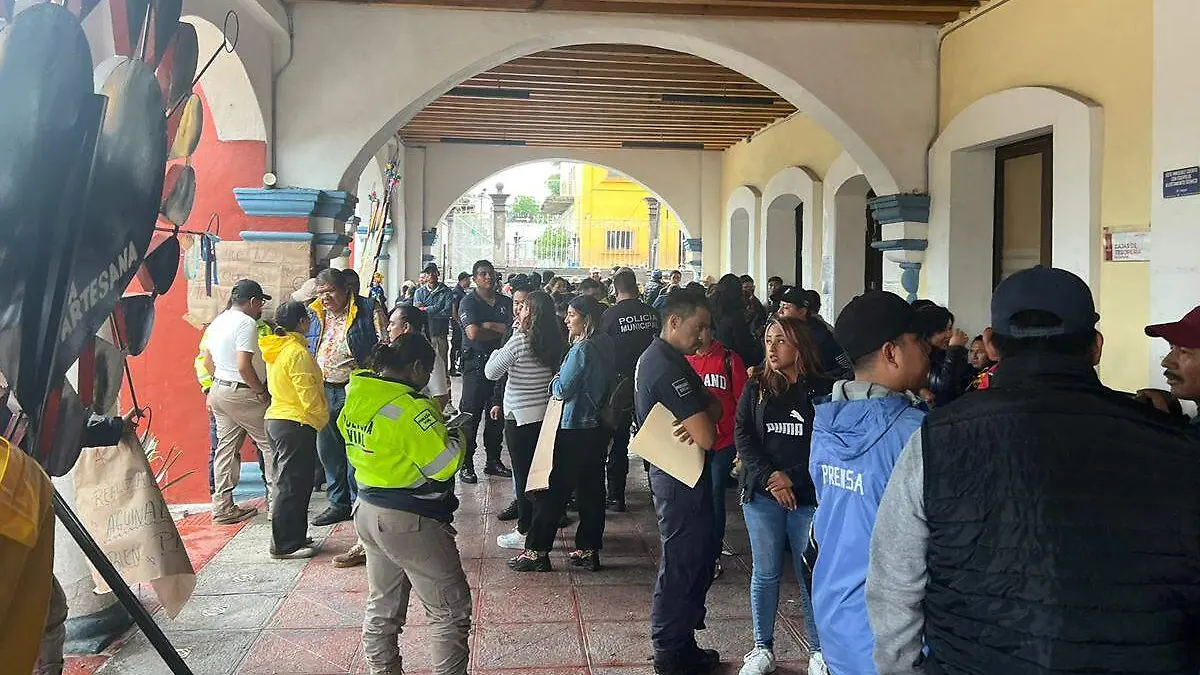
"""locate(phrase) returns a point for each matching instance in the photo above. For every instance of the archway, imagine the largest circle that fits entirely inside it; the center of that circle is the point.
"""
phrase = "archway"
(742, 213)
(791, 225)
(235, 108)
(959, 259)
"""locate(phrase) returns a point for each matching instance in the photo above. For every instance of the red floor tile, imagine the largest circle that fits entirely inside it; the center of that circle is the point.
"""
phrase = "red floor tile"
(320, 609)
(530, 645)
(615, 603)
(623, 643)
(526, 604)
(321, 576)
(495, 572)
(84, 665)
(303, 652)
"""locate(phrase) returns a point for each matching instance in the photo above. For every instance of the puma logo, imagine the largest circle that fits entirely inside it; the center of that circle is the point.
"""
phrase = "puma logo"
(797, 416)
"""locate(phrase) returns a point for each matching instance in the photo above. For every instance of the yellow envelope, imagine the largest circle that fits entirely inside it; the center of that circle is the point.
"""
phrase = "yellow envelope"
(656, 443)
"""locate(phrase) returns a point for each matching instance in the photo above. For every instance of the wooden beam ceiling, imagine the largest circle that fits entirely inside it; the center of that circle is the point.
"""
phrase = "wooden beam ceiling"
(602, 96)
(904, 11)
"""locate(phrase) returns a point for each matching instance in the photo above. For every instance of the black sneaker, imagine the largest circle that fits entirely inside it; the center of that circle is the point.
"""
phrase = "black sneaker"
(331, 516)
(718, 570)
(497, 468)
(467, 474)
(693, 662)
(509, 512)
(530, 561)
(586, 559)
(616, 505)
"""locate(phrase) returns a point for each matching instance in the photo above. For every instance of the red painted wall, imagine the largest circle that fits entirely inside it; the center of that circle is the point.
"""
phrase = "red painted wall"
(163, 375)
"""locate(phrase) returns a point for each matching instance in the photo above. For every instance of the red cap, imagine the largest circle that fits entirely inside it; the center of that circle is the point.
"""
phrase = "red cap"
(1184, 333)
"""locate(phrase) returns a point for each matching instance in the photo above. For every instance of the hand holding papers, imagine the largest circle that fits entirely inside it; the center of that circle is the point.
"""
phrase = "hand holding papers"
(666, 446)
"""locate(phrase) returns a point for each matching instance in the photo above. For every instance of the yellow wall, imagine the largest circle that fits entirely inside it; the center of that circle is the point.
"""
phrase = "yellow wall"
(1101, 49)
(797, 141)
(605, 201)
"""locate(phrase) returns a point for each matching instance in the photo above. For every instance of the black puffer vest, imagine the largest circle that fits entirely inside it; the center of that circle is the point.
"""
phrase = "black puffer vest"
(1064, 529)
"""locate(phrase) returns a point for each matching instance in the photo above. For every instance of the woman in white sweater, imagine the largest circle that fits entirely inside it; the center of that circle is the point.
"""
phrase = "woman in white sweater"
(528, 361)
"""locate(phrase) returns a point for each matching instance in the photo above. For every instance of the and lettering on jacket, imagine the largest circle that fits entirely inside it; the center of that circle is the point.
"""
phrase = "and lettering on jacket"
(632, 324)
(724, 375)
(841, 477)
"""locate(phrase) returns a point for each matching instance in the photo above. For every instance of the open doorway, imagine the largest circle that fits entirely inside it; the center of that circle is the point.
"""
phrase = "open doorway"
(872, 257)
(798, 270)
(1024, 203)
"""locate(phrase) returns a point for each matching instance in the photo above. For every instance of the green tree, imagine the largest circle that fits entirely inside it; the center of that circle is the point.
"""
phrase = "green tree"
(553, 243)
(525, 208)
(554, 185)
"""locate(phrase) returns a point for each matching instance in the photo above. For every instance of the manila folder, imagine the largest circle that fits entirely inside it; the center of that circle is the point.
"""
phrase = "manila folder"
(656, 443)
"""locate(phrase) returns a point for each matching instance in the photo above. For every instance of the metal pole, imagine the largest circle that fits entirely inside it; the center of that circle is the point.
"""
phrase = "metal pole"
(124, 594)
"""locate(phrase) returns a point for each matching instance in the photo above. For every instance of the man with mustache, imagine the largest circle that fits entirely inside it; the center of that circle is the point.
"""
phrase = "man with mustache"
(1182, 364)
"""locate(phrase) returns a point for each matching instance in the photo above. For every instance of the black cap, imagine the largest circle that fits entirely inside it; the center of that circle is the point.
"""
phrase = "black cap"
(794, 295)
(1043, 289)
(248, 289)
(872, 320)
(431, 268)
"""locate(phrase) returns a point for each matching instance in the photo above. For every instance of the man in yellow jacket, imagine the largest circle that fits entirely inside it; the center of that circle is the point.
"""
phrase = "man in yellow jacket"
(26, 557)
(405, 459)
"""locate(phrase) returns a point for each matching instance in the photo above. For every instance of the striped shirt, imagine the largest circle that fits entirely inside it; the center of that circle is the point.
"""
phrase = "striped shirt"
(528, 389)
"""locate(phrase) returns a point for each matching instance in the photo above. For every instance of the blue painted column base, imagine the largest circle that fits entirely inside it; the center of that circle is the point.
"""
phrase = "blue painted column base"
(910, 279)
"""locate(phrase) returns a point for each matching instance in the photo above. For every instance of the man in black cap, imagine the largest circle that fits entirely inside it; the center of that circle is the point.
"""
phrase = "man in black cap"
(438, 302)
(1045, 525)
(238, 398)
(794, 302)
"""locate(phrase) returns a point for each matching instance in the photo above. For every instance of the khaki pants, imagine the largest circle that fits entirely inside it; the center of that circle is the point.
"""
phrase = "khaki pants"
(441, 347)
(407, 552)
(238, 413)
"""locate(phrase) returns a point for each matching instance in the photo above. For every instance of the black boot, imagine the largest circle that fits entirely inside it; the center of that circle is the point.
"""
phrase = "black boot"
(531, 561)
(694, 661)
(467, 474)
(496, 468)
(616, 504)
(587, 559)
(509, 512)
(331, 516)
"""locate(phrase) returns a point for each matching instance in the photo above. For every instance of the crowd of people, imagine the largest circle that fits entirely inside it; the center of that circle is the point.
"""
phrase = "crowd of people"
(951, 505)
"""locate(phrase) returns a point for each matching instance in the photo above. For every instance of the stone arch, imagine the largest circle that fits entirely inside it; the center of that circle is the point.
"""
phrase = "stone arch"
(325, 139)
(235, 104)
(845, 208)
(958, 260)
(789, 189)
(741, 214)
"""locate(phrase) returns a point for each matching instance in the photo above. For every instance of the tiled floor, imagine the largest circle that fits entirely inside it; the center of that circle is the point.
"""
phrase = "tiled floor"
(252, 615)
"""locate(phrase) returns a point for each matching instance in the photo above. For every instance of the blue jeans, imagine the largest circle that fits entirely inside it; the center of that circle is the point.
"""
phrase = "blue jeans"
(331, 448)
(770, 526)
(720, 464)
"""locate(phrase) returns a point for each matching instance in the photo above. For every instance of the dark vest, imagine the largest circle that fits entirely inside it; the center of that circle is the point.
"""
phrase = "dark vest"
(1064, 529)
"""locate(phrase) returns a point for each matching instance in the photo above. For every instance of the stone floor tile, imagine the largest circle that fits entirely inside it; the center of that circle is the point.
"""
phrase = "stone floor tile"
(303, 652)
(495, 572)
(84, 665)
(526, 604)
(215, 652)
(319, 575)
(237, 579)
(222, 612)
(615, 603)
(618, 643)
(732, 638)
(320, 609)
(728, 601)
(619, 571)
(529, 645)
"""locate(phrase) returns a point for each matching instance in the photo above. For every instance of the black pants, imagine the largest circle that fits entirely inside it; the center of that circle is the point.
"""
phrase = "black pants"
(295, 447)
(618, 459)
(456, 336)
(579, 469)
(522, 441)
(477, 394)
(685, 570)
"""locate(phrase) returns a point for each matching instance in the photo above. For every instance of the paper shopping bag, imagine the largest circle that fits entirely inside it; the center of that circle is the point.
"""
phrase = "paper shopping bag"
(543, 455)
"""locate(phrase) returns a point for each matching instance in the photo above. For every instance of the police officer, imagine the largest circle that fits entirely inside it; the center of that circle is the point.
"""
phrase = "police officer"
(405, 460)
(685, 514)
(486, 316)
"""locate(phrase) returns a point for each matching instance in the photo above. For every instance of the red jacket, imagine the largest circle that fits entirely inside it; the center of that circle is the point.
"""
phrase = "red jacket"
(724, 373)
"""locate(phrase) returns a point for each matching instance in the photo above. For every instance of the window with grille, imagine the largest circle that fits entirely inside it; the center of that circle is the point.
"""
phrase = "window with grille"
(620, 240)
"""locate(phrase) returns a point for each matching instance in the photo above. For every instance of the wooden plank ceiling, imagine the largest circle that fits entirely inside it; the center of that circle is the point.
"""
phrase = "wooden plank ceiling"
(601, 96)
(906, 11)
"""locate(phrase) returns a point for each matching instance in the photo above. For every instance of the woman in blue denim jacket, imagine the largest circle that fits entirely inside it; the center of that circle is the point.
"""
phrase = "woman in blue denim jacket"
(582, 384)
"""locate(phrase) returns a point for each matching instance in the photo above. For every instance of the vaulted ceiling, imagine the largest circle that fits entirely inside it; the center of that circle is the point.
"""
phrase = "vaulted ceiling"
(601, 96)
(906, 11)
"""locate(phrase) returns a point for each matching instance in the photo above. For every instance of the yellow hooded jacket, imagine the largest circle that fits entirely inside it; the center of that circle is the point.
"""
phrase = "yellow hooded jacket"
(295, 381)
(26, 557)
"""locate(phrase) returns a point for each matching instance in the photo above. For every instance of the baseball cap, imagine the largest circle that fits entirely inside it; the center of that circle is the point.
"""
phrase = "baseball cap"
(872, 320)
(1184, 333)
(248, 289)
(1043, 289)
(794, 295)
(431, 268)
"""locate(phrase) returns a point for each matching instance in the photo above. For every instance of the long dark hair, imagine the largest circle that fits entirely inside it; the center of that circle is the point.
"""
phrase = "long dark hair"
(592, 311)
(545, 337)
(288, 317)
(773, 383)
(415, 317)
(402, 353)
(727, 300)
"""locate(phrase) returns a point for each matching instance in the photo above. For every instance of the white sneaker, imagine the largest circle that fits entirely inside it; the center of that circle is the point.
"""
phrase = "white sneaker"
(514, 540)
(816, 664)
(759, 661)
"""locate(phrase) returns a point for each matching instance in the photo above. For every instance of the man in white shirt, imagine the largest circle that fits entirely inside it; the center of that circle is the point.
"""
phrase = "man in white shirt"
(238, 398)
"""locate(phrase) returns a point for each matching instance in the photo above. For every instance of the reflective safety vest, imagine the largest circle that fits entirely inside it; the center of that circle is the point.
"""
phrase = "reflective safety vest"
(204, 377)
(395, 436)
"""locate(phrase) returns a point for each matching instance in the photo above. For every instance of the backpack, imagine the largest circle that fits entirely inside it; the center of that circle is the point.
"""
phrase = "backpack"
(618, 403)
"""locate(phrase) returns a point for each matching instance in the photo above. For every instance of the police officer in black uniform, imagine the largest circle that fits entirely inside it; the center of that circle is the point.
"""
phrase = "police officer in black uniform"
(486, 316)
(685, 514)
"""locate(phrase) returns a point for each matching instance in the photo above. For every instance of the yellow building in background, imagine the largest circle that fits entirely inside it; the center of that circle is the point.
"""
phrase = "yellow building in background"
(612, 219)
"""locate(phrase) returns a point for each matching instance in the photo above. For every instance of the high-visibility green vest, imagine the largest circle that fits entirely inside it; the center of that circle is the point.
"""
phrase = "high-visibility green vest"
(395, 436)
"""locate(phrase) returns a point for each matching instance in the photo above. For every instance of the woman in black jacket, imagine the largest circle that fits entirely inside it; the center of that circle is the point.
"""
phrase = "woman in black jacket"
(729, 320)
(950, 371)
(772, 433)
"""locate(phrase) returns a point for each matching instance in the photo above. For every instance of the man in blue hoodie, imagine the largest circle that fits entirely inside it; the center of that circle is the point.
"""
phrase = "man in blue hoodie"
(856, 440)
